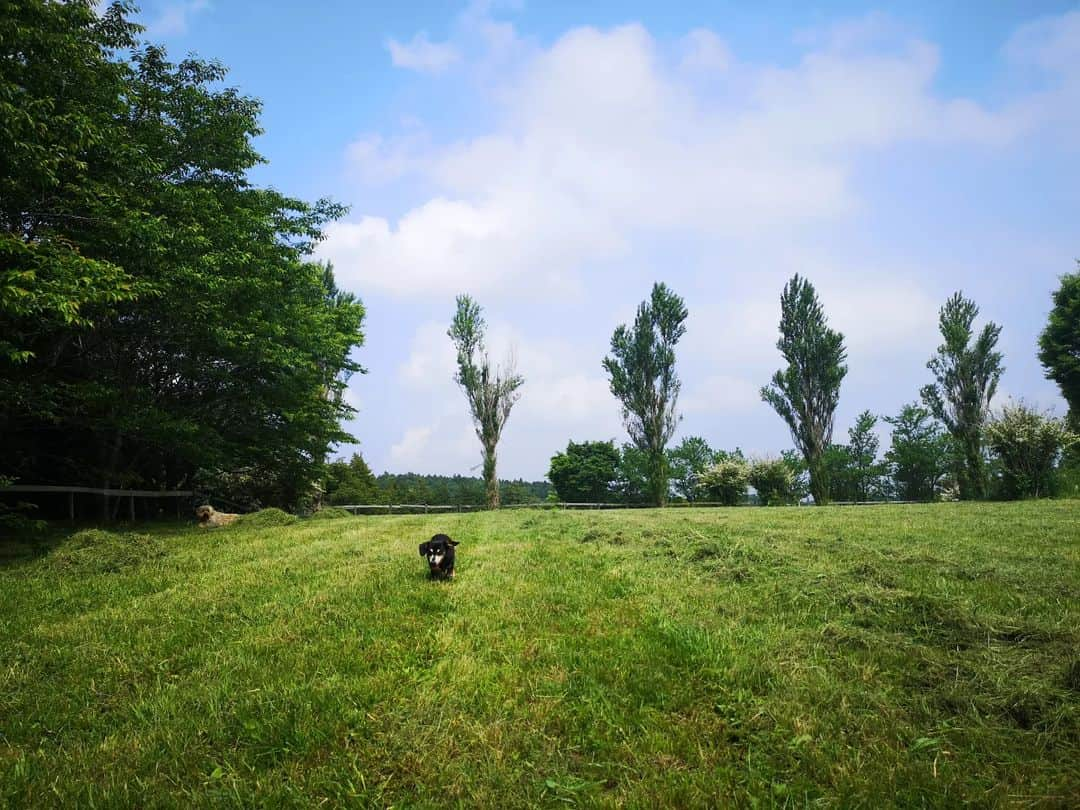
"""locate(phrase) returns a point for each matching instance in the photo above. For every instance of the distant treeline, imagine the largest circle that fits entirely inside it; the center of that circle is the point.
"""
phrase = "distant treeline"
(352, 482)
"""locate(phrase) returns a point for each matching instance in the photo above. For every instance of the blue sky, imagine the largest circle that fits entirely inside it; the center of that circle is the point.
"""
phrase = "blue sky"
(555, 159)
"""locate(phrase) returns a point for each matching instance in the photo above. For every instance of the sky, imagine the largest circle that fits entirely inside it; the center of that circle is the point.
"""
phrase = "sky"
(556, 159)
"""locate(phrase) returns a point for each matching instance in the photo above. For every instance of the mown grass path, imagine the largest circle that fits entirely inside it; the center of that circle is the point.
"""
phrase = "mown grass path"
(895, 655)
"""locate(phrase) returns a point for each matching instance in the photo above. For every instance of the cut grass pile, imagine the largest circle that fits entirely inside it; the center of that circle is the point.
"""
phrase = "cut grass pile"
(912, 655)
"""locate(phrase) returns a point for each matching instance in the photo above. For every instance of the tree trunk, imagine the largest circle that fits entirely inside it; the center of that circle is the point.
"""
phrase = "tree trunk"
(657, 478)
(819, 481)
(491, 479)
(972, 478)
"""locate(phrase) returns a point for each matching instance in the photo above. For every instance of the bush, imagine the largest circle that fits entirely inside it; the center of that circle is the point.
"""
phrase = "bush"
(266, 518)
(726, 480)
(774, 480)
(1028, 446)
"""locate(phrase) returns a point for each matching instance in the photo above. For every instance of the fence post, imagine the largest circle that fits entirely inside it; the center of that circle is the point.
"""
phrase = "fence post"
(71, 506)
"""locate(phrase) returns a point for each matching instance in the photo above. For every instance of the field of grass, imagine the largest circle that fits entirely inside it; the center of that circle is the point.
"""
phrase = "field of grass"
(892, 655)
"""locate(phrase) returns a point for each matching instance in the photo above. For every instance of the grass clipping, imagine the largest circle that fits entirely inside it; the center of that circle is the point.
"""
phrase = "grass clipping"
(266, 518)
(94, 551)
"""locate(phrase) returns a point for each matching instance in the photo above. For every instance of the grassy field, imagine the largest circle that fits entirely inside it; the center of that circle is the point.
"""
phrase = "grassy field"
(894, 655)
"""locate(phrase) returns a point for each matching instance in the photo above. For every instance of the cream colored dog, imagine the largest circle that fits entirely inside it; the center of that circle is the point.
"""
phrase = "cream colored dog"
(210, 518)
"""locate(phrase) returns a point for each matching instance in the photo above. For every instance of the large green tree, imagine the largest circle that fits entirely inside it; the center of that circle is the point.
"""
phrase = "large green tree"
(1059, 344)
(919, 456)
(641, 371)
(806, 393)
(966, 370)
(351, 482)
(221, 358)
(687, 462)
(490, 390)
(63, 152)
(585, 472)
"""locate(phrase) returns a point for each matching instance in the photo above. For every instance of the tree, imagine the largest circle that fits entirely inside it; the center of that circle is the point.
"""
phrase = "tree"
(966, 378)
(806, 393)
(774, 480)
(351, 482)
(1029, 445)
(632, 479)
(687, 462)
(863, 446)
(491, 391)
(918, 457)
(840, 469)
(62, 150)
(642, 375)
(1059, 345)
(217, 353)
(726, 480)
(585, 472)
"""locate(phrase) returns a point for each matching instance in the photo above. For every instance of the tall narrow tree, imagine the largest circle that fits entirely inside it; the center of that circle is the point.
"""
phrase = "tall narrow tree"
(806, 393)
(642, 377)
(966, 375)
(863, 446)
(490, 390)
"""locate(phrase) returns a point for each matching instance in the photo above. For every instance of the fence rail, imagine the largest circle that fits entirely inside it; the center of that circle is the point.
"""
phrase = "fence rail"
(104, 492)
(427, 508)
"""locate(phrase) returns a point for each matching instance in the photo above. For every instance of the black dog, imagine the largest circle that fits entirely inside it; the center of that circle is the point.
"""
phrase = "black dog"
(439, 551)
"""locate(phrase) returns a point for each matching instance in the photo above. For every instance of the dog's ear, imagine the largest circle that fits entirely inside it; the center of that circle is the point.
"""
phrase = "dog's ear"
(423, 549)
(452, 542)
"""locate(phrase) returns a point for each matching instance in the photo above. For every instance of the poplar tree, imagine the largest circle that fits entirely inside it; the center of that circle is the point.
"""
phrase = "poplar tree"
(642, 376)
(806, 393)
(490, 390)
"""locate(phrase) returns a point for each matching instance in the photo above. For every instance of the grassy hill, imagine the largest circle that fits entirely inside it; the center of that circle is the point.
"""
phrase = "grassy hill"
(916, 655)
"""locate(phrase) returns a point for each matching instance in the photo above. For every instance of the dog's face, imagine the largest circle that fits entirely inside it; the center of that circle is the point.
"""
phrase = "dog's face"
(437, 550)
(203, 513)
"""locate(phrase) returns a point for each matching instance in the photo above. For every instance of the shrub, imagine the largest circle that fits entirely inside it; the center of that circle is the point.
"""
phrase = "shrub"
(726, 480)
(774, 480)
(1029, 446)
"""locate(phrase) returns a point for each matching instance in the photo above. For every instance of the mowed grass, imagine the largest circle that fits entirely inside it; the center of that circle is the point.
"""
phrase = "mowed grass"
(892, 655)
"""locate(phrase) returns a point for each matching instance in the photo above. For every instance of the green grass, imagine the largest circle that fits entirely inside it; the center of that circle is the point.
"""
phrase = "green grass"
(893, 655)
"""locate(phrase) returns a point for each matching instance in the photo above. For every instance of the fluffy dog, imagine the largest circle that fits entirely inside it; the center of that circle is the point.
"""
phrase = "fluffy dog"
(210, 518)
(439, 551)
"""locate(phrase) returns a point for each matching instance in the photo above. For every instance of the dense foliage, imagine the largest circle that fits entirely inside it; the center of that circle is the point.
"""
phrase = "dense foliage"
(585, 472)
(854, 472)
(919, 457)
(1028, 445)
(805, 393)
(775, 480)
(164, 326)
(966, 372)
(1059, 344)
(687, 462)
(726, 480)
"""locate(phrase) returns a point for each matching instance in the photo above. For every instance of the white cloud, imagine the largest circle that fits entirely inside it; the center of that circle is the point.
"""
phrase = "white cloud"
(1050, 43)
(601, 143)
(408, 453)
(175, 18)
(611, 158)
(705, 51)
(721, 394)
(422, 54)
